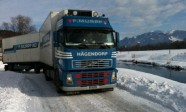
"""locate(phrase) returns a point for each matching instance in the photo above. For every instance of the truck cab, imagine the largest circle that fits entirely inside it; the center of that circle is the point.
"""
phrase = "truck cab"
(85, 51)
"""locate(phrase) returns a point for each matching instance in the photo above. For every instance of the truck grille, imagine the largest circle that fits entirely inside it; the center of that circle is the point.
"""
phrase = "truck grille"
(100, 63)
(91, 79)
(92, 75)
(92, 82)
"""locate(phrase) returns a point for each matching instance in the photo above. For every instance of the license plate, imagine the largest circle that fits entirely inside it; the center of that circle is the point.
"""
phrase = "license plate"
(93, 87)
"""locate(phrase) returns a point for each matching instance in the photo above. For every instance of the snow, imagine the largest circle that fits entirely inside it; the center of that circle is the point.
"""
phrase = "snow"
(169, 58)
(11, 98)
(172, 31)
(1, 66)
(173, 39)
(170, 94)
(135, 87)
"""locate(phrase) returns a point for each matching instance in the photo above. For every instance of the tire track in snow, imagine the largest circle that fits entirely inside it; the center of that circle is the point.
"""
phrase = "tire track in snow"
(109, 103)
(80, 102)
(71, 104)
(44, 96)
(99, 103)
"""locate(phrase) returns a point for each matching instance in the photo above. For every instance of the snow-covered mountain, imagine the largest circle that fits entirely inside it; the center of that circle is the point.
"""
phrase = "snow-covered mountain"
(155, 37)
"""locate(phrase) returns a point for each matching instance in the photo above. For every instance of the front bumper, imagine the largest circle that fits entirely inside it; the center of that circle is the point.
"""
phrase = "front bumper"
(88, 87)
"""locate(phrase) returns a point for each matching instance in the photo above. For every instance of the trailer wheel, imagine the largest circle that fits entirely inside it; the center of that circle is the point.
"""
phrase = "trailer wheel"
(27, 70)
(6, 67)
(10, 67)
(37, 70)
(57, 82)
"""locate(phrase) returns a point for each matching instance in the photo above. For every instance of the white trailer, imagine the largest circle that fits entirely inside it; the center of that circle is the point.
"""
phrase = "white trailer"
(46, 39)
(21, 50)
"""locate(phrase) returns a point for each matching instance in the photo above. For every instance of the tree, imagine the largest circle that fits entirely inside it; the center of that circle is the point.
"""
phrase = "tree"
(5, 26)
(21, 24)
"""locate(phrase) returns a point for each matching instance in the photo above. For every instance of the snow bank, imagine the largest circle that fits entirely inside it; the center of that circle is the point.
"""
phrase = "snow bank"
(166, 92)
(1, 66)
(11, 98)
(172, 58)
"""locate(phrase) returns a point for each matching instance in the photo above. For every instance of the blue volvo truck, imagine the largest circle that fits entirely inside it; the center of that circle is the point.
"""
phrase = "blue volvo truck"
(78, 50)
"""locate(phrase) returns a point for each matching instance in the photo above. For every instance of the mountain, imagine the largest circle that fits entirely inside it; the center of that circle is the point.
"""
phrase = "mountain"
(155, 37)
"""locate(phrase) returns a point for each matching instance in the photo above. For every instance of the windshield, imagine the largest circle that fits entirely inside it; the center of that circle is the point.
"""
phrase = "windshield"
(89, 39)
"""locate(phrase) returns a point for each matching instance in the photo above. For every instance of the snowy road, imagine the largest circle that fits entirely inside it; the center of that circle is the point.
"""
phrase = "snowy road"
(45, 99)
(135, 92)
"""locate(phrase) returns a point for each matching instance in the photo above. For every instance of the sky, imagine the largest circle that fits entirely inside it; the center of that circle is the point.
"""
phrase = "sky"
(128, 17)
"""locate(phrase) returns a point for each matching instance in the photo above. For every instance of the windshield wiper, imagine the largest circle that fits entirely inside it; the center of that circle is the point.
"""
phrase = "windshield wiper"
(103, 45)
(82, 45)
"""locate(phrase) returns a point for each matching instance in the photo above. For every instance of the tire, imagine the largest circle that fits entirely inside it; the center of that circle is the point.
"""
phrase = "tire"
(6, 67)
(57, 82)
(10, 67)
(37, 70)
(27, 70)
(47, 75)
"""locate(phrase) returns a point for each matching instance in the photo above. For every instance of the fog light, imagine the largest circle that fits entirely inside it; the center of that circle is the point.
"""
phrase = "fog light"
(113, 76)
(69, 79)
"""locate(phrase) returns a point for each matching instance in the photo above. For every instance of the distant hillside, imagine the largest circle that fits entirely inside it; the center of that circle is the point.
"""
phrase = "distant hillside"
(5, 34)
(156, 37)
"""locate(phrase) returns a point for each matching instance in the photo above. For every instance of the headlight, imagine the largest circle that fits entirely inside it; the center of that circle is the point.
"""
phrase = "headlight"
(69, 79)
(113, 76)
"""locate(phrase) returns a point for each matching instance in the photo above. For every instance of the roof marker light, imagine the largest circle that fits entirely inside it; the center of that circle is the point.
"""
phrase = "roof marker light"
(75, 13)
(95, 14)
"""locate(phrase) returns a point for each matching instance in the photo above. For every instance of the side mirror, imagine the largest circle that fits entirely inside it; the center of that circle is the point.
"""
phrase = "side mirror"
(55, 39)
(58, 39)
(117, 39)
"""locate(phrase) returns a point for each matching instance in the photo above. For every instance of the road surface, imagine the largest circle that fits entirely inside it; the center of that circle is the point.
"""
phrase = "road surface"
(44, 98)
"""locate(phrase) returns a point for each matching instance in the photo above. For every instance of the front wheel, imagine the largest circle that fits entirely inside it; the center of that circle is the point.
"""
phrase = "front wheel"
(57, 82)
(47, 75)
